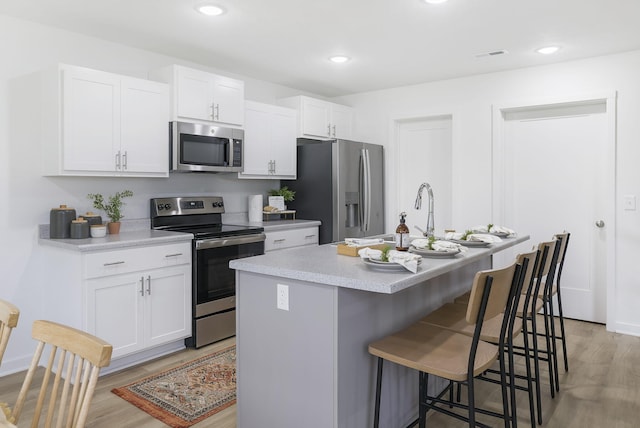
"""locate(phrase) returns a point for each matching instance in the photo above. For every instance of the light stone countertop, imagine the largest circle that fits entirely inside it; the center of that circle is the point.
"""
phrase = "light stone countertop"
(323, 265)
(124, 239)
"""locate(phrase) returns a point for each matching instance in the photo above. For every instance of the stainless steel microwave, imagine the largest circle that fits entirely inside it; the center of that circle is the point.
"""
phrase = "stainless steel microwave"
(205, 148)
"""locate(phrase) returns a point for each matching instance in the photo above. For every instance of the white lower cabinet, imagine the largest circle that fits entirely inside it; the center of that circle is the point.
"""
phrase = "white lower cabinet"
(281, 239)
(140, 310)
(135, 298)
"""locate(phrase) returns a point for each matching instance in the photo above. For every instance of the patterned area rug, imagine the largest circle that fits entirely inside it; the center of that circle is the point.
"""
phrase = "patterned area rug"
(187, 394)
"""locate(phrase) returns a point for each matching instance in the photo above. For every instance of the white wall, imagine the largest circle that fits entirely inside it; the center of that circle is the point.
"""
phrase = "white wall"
(27, 197)
(469, 100)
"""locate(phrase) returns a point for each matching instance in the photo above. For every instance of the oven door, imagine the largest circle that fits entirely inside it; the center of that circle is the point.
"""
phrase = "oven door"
(214, 280)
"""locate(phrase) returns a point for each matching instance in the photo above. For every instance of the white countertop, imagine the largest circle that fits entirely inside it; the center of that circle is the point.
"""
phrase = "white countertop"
(121, 240)
(323, 265)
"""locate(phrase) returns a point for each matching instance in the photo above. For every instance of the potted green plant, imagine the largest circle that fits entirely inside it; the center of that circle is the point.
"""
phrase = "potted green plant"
(112, 208)
(287, 194)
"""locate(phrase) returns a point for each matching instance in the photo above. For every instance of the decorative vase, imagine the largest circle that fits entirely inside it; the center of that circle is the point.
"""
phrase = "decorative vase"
(114, 228)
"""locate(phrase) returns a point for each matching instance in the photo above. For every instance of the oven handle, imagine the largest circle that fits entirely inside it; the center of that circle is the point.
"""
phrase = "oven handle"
(204, 244)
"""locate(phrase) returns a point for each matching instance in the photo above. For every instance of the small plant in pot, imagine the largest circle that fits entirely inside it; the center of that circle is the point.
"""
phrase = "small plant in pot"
(112, 208)
(287, 194)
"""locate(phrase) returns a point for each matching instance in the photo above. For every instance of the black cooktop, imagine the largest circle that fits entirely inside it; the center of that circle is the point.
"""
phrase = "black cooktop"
(217, 231)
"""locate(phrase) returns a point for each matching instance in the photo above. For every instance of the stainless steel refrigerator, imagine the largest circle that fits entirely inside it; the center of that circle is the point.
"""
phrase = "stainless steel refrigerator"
(340, 183)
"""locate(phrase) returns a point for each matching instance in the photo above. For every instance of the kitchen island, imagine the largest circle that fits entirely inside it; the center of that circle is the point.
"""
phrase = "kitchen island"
(308, 365)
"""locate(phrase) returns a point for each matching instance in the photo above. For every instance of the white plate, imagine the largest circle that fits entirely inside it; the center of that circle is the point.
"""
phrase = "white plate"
(471, 243)
(378, 264)
(424, 252)
(499, 234)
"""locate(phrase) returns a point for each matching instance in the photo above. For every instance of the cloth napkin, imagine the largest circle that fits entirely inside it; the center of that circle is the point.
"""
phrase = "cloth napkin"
(494, 229)
(483, 237)
(438, 245)
(358, 242)
(408, 260)
(4, 423)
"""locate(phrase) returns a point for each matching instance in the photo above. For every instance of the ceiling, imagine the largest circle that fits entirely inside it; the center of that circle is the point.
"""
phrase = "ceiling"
(391, 42)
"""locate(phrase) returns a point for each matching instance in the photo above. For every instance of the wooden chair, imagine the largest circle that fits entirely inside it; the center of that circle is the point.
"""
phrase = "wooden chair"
(76, 370)
(457, 357)
(9, 315)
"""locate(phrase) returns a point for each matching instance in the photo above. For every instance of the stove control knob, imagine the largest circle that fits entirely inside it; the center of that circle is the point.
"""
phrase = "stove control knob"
(167, 206)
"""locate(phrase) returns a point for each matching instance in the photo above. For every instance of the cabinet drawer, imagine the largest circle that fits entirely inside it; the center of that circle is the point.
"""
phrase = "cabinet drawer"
(105, 263)
(291, 238)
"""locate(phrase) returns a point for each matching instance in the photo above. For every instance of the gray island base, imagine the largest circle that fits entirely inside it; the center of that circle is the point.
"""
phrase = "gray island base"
(308, 366)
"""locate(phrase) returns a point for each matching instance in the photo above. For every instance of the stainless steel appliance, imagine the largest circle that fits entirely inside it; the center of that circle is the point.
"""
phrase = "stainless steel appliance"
(205, 148)
(340, 183)
(214, 245)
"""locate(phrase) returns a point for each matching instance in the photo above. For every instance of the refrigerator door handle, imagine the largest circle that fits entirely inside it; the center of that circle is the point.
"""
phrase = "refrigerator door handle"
(361, 197)
(367, 191)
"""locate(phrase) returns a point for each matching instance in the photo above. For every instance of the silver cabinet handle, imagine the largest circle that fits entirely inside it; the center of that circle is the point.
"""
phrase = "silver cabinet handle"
(334, 130)
(309, 236)
(600, 223)
(118, 164)
(213, 111)
(113, 263)
(277, 241)
(217, 112)
(274, 167)
(329, 129)
(173, 255)
(124, 160)
(149, 285)
(142, 286)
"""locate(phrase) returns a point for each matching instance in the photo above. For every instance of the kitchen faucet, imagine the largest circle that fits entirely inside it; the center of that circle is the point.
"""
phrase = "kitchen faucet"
(430, 229)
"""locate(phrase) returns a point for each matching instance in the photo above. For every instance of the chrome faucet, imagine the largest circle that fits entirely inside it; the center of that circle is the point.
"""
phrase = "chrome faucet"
(430, 229)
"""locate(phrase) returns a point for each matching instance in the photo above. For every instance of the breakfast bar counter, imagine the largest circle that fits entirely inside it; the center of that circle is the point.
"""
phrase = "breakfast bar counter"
(302, 355)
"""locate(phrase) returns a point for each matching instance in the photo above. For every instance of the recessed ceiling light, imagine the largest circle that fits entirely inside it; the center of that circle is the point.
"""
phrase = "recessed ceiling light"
(339, 59)
(435, 1)
(210, 9)
(548, 50)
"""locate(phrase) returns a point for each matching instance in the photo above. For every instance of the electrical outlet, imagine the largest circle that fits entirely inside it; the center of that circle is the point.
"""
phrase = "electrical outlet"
(282, 297)
(629, 202)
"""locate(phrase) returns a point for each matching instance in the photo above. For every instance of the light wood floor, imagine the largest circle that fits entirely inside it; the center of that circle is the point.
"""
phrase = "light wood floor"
(602, 388)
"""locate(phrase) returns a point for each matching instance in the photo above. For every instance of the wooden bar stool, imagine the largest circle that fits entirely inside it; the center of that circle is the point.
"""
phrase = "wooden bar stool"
(555, 291)
(452, 317)
(454, 356)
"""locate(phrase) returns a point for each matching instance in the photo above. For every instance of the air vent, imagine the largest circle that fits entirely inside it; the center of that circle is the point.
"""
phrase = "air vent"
(493, 53)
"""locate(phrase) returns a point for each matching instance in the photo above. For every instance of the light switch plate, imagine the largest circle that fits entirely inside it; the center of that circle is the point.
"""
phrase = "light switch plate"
(629, 202)
(282, 297)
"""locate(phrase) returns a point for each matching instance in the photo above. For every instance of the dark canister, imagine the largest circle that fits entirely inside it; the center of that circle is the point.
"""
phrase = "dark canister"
(92, 218)
(79, 228)
(60, 221)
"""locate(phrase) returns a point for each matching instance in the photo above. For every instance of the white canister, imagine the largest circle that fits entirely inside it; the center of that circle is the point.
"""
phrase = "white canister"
(98, 230)
(255, 208)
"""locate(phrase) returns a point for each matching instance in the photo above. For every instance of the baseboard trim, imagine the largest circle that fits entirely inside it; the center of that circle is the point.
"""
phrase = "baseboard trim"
(626, 328)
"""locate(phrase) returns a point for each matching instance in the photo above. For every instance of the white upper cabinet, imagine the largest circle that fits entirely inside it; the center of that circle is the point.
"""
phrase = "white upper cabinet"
(321, 119)
(269, 141)
(106, 124)
(201, 96)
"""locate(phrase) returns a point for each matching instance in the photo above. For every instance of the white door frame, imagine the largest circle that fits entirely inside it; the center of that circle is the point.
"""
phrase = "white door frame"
(498, 176)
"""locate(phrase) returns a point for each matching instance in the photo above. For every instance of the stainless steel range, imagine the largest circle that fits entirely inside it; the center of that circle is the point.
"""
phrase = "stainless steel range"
(214, 245)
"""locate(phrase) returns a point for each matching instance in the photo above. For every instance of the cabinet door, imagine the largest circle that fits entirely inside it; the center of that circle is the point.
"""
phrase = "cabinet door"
(256, 140)
(144, 142)
(315, 117)
(91, 119)
(228, 100)
(114, 311)
(167, 304)
(283, 142)
(341, 121)
(194, 94)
